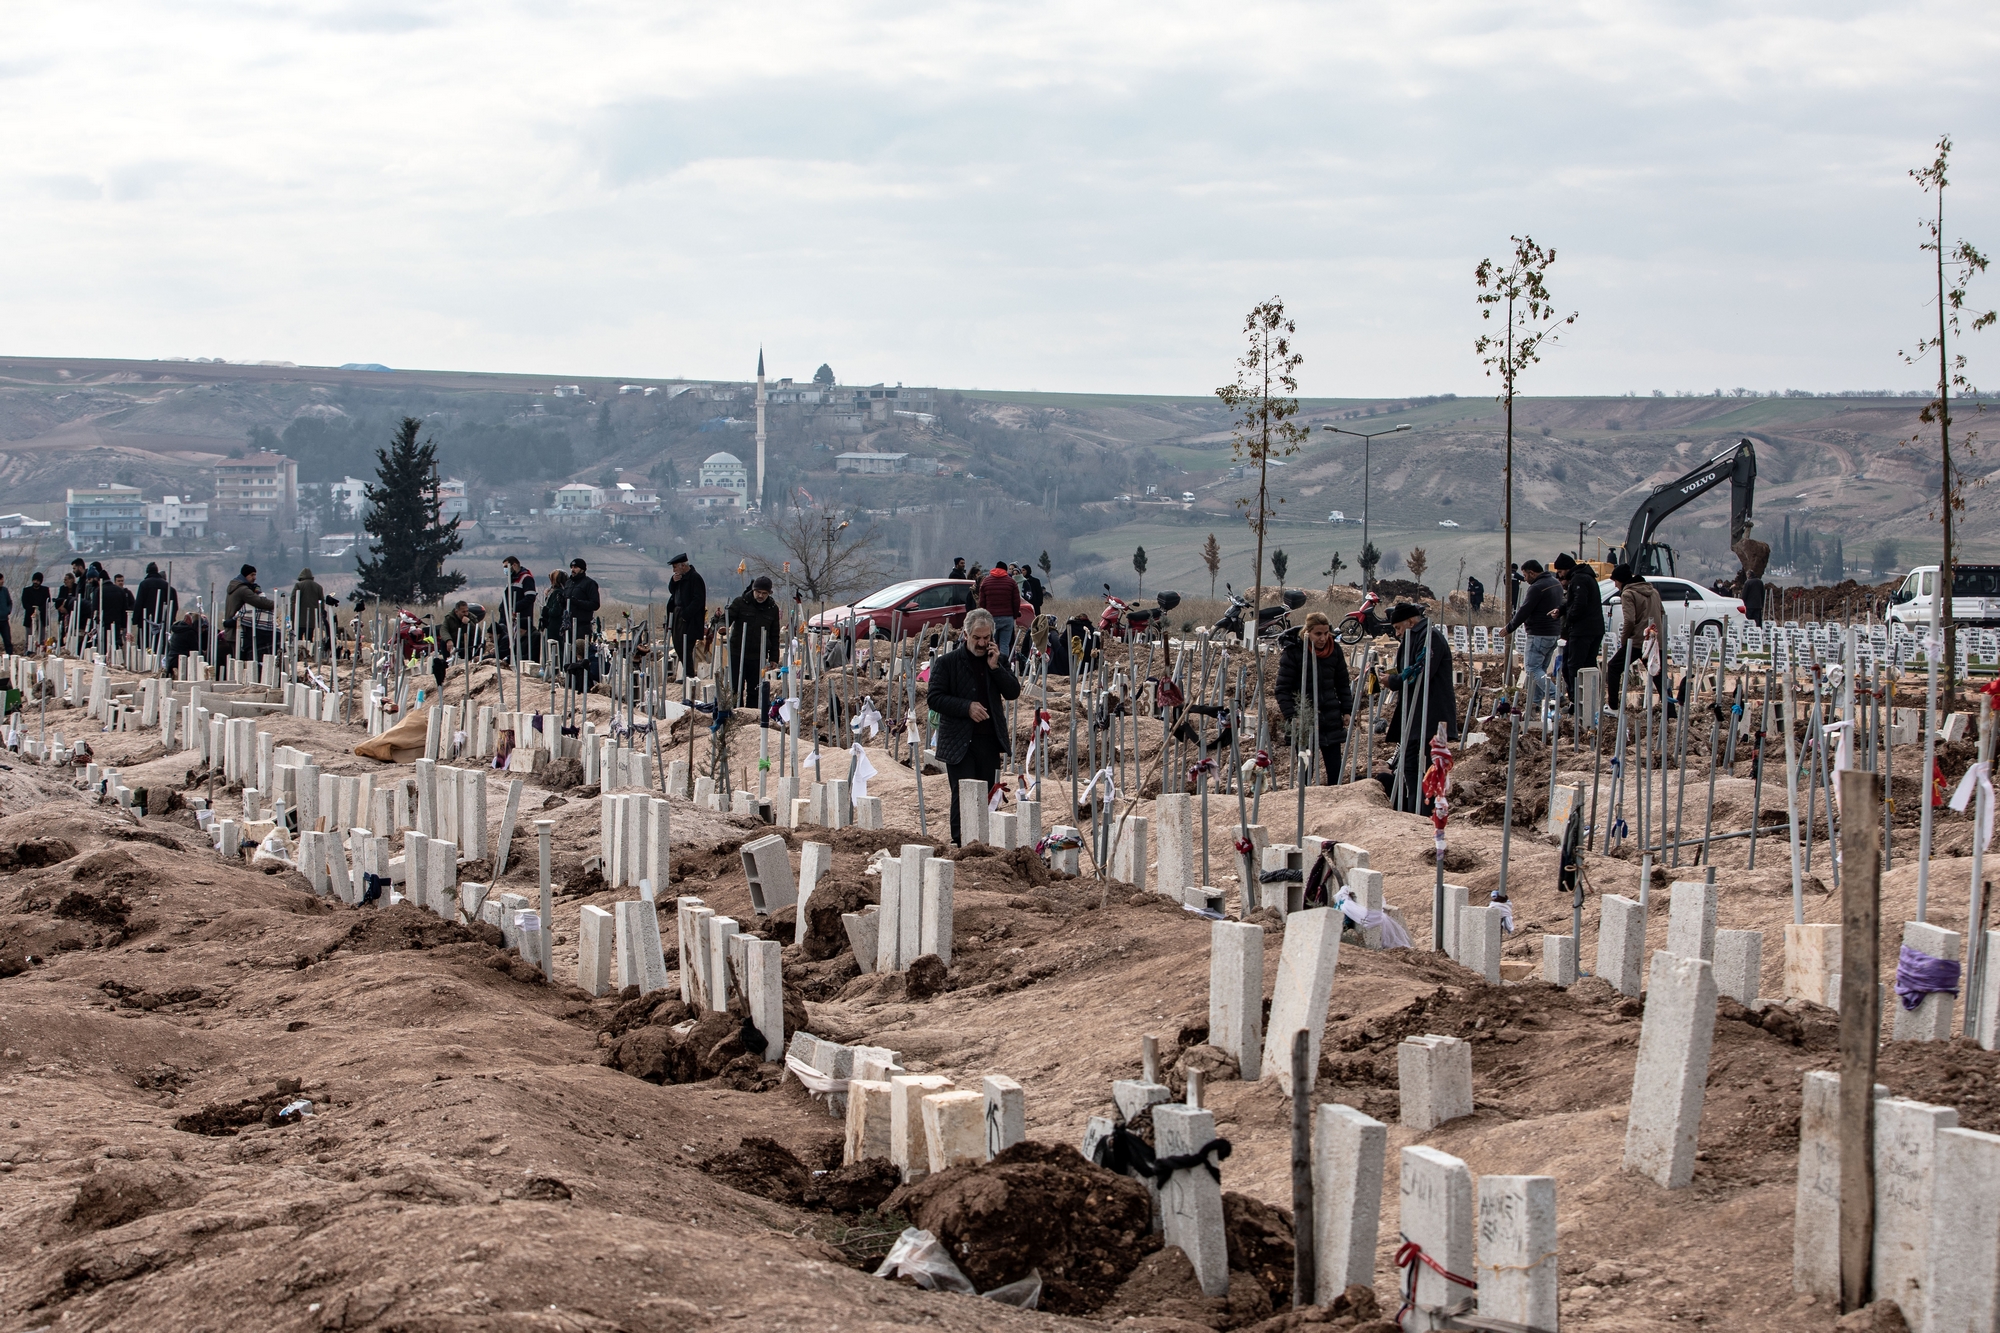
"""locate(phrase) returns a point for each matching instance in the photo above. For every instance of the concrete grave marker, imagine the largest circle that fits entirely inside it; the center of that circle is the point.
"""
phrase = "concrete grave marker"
(1559, 960)
(1005, 828)
(1236, 993)
(908, 1146)
(1675, 1038)
(765, 986)
(1517, 1249)
(955, 1128)
(1739, 964)
(1006, 1113)
(1436, 1216)
(1175, 873)
(1454, 903)
(596, 935)
(716, 972)
(971, 811)
(1963, 1282)
(640, 960)
(1306, 965)
(1567, 798)
(767, 863)
(1479, 937)
(936, 925)
(1191, 1200)
(889, 922)
(868, 1119)
(1691, 920)
(862, 935)
(814, 859)
(1349, 1155)
(1906, 1141)
(1128, 855)
(1930, 1020)
(1621, 943)
(1433, 1080)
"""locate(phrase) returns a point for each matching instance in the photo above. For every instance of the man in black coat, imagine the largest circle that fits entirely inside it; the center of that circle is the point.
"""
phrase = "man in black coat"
(35, 610)
(1582, 619)
(1325, 682)
(687, 611)
(754, 620)
(967, 688)
(521, 582)
(119, 603)
(584, 600)
(1540, 613)
(1422, 681)
(158, 602)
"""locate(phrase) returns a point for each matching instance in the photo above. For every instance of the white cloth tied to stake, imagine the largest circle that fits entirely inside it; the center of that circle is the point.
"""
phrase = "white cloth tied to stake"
(1977, 778)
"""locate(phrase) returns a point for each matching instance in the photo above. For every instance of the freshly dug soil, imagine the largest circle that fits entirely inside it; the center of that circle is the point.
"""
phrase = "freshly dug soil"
(1037, 1206)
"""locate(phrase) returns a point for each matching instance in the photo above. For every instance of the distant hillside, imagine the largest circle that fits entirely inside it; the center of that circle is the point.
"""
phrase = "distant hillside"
(1024, 472)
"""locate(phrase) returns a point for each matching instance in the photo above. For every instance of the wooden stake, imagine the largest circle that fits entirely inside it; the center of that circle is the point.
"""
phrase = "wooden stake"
(1860, 1025)
(1304, 1229)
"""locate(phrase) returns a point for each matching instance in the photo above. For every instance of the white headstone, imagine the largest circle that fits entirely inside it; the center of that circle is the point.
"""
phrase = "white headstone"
(640, 960)
(595, 937)
(1517, 1249)
(1672, 1070)
(1306, 965)
(1436, 1216)
(1931, 1019)
(1191, 1200)
(1691, 920)
(1621, 943)
(1349, 1151)
(1434, 1081)
(1236, 993)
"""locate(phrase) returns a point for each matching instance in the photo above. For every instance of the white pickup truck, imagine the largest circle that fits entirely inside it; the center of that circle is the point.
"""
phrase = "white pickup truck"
(1975, 596)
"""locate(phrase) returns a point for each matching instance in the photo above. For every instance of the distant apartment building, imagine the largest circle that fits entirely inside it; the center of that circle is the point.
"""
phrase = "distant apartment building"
(873, 464)
(108, 517)
(176, 517)
(20, 525)
(451, 499)
(577, 498)
(260, 485)
(350, 496)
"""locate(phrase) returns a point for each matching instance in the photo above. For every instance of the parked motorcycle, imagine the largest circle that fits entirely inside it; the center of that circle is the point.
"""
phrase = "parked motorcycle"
(1127, 621)
(1355, 625)
(1272, 621)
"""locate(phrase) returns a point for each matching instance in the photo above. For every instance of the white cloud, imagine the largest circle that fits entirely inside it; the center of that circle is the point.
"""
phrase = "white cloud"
(1045, 195)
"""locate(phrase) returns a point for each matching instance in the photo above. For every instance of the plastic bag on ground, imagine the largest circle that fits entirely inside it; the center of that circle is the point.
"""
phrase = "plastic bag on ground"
(919, 1255)
(1026, 1293)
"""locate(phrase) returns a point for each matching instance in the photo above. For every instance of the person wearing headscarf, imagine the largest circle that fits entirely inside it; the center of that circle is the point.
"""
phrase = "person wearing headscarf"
(1425, 702)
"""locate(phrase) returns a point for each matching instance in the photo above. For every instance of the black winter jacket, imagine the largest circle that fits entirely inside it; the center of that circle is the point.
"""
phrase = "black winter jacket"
(1541, 609)
(1583, 609)
(954, 688)
(1335, 690)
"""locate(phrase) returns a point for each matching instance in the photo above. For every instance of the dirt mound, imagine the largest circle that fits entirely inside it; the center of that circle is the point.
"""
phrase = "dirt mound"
(562, 774)
(220, 1119)
(1260, 1242)
(712, 1046)
(858, 1187)
(125, 1192)
(1037, 1206)
(826, 937)
(764, 1167)
(35, 853)
(1967, 1077)
(99, 909)
(1163, 1292)
(406, 926)
(924, 977)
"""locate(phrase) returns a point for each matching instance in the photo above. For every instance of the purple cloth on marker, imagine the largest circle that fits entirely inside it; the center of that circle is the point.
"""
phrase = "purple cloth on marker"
(1918, 974)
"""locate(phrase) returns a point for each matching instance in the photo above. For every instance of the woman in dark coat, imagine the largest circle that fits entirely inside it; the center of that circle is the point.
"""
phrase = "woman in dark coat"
(1326, 683)
(1422, 681)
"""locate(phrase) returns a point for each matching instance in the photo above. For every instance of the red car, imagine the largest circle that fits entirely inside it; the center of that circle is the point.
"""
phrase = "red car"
(923, 602)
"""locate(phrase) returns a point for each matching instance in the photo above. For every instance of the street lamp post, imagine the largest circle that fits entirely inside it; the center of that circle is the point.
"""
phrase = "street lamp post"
(1582, 528)
(1367, 439)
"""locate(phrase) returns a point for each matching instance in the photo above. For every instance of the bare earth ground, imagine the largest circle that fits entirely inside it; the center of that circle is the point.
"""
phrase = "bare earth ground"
(476, 1158)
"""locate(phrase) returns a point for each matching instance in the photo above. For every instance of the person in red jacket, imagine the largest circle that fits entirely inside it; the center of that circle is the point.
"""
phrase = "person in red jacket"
(999, 594)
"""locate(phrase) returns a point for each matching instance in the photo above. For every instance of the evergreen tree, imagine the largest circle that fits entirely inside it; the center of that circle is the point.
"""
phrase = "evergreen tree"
(1280, 565)
(1139, 566)
(410, 542)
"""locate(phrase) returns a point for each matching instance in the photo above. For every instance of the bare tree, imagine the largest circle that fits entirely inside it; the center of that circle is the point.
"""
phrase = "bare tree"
(822, 555)
(1521, 289)
(1418, 563)
(1264, 398)
(1959, 264)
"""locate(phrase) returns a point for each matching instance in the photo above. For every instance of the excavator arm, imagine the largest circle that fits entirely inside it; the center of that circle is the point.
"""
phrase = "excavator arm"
(1737, 466)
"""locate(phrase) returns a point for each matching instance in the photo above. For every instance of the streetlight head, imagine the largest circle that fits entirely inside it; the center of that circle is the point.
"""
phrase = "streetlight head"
(1404, 426)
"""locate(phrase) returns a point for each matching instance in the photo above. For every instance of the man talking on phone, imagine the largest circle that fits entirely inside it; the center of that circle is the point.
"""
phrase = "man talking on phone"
(968, 686)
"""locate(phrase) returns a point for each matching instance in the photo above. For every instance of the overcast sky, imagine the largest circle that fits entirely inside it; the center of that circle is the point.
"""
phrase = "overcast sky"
(1021, 195)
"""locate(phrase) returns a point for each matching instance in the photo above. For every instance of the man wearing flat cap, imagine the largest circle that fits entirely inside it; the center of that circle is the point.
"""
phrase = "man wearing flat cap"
(756, 629)
(687, 611)
(1425, 702)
